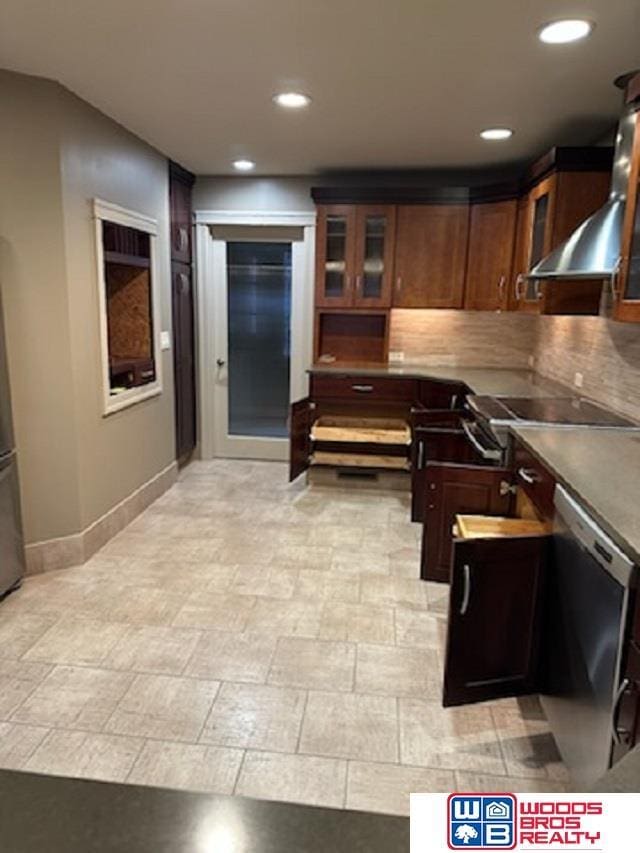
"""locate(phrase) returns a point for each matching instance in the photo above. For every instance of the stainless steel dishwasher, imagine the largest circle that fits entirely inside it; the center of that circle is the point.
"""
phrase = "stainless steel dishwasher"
(587, 604)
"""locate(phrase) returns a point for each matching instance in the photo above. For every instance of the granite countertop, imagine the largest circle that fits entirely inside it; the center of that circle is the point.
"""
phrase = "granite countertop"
(601, 468)
(496, 381)
(57, 815)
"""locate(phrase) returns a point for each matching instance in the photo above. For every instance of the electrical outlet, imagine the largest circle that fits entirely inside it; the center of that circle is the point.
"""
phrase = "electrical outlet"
(165, 340)
(396, 356)
(578, 380)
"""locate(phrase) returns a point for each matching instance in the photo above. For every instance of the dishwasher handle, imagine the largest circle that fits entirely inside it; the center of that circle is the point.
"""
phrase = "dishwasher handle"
(617, 732)
(466, 589)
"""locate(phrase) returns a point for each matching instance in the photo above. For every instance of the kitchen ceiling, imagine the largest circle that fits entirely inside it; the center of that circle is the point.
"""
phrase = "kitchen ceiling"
(395, 83)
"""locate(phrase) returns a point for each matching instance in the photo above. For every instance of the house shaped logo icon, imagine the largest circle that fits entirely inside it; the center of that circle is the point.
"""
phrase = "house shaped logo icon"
(482, 822)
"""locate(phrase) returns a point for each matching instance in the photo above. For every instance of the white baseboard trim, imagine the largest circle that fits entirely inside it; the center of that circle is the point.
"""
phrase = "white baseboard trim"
(77, 548)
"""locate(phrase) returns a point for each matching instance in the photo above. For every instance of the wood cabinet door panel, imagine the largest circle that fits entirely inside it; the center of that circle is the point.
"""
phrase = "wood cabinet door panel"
(374, 250)
(491, 245)
(452, 489)
(493, 627)
(180, 205)
(434, 444)
(183, 308)
(431, 255)
(300, 420)
(434, 394)
(363, 387)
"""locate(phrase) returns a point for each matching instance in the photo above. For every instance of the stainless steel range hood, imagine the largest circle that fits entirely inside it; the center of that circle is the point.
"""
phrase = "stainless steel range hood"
(593, 250)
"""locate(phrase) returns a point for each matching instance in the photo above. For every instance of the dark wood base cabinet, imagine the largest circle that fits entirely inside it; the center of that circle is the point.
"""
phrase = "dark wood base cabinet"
(493, 628)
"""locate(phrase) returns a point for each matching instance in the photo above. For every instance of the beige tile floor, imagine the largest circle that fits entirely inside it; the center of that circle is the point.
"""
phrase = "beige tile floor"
(250, 636)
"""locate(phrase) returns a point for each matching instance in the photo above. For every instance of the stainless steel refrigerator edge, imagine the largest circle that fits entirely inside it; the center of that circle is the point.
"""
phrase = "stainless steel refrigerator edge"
(12, 561)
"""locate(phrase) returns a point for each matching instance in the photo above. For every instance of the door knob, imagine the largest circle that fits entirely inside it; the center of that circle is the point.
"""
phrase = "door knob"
(220, 362)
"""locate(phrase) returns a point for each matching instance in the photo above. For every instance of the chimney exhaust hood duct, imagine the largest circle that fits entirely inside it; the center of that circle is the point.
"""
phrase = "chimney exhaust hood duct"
(593, 250)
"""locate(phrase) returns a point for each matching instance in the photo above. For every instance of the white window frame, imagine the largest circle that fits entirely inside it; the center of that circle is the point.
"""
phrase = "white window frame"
(104, 211)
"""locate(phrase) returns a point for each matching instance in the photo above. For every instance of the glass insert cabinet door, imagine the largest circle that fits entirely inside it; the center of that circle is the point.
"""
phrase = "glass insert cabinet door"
(354, 256)
(540, 234)
(335, 256)
(375, 232)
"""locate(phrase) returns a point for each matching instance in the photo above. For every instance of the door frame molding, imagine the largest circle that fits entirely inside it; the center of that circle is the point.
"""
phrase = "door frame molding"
(208, 272)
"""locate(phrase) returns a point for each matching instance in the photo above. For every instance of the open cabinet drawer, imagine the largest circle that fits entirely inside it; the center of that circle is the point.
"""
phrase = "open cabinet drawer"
(497, 576)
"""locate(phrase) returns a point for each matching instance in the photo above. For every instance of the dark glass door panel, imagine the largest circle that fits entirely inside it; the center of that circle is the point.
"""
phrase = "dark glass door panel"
(632, 290)
(259, 323)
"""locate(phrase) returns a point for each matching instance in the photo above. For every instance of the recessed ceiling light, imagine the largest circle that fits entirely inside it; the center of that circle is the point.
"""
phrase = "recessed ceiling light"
(292, 100)
(562, 32)
(496, 133)
(244, 165)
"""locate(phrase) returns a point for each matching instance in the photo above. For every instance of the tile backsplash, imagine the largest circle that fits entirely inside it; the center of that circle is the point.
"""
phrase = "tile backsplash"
(606, 353)
(462, 338)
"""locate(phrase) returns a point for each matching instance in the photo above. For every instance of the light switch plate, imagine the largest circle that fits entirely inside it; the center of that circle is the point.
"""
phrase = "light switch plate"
(578, 380)
(396, 356)
(165, 340)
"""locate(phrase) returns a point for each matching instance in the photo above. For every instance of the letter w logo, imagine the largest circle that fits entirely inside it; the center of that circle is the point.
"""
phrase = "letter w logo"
(466, 809)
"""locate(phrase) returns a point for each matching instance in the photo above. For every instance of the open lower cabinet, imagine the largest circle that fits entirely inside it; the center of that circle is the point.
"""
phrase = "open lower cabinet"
(495, 602)
(352, 444)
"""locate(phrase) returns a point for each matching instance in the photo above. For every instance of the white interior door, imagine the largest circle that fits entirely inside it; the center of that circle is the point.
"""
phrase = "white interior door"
(258, 311)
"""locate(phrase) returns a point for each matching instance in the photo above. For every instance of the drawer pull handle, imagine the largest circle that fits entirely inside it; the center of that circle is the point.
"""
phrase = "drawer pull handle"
(485, 452)
(529, 476)
(362, 389)
(420, 455)
(618, 733)
(466, 591)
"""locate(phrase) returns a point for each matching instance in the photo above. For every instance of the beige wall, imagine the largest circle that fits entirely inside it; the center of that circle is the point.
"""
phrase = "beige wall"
(100, 159)
(36, 306)
(605, 352)
(245, 193)
(56, 154)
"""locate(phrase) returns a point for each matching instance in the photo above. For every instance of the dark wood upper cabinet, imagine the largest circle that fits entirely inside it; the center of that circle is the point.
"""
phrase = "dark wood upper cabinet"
(451, 489)
(491, 246)
(627, 306)
(553, 209)
(354, 256)
(300, 420)
(493, 627)
(431, 255)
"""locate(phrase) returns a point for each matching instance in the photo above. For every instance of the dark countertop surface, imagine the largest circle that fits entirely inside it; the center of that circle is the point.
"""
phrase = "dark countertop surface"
(601, 468)
(501, 382)
(50, 814)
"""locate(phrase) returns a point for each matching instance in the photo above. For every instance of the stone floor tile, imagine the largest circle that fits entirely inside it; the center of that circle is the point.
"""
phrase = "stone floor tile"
(449, 738)
(386, 787)
(265, 580)
(232, 657)
(394, 591)
(419, 629)
(18, 679)
(324, 586)
(296, 619)
(528, 746)
(357, 623)
(18, 743)
(215, 610)
(318, 664)
(75, 698)
(256, 717)
(191, 767)
(19, 631)
(293, 778)
(164, 707)
(467, 781)
(85, 755)
(394, 671)
(151, 648)
(77, 641)
(350, 725)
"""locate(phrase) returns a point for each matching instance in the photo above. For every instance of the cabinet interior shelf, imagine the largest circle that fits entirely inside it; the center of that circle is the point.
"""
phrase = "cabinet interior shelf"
(359, 460)
(361, 431)
(127, 260)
